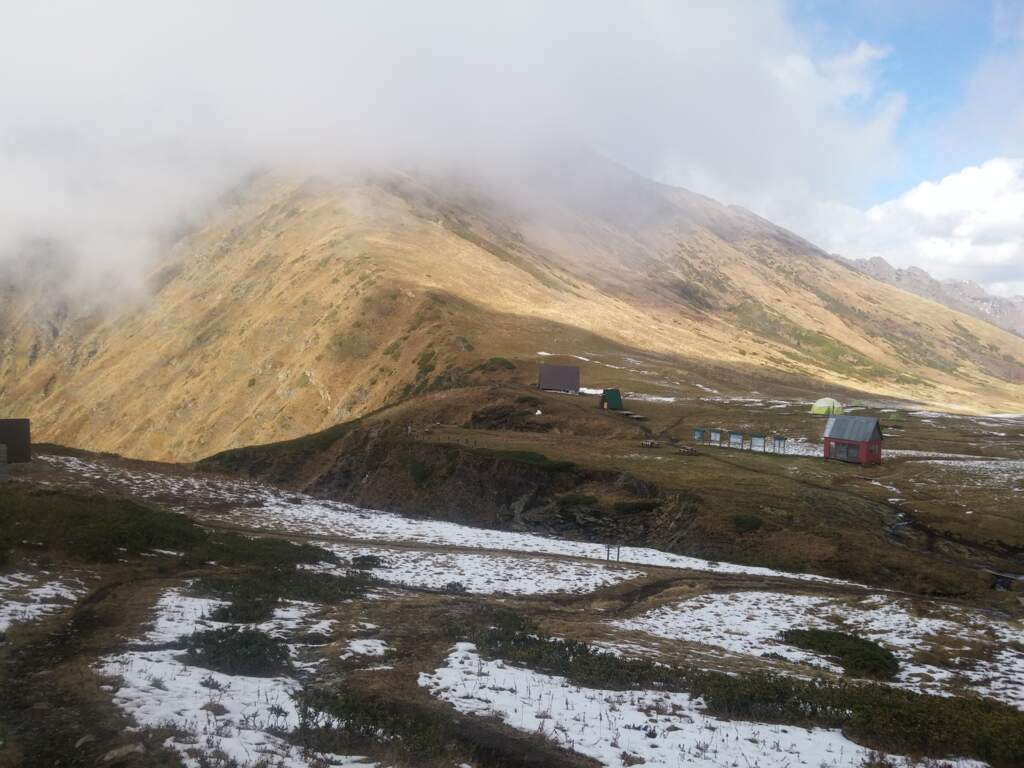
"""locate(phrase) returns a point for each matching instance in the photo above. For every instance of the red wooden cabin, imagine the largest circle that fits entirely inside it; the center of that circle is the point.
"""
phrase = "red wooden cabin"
(857, 439)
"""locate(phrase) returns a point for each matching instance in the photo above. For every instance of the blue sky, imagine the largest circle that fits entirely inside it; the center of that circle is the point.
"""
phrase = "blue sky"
(933, 51)
(950, 197)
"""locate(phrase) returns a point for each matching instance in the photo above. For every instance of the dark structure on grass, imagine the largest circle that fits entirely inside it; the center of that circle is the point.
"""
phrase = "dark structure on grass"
(559, 378)
(611, 400)
(16, 434)
(856, 439)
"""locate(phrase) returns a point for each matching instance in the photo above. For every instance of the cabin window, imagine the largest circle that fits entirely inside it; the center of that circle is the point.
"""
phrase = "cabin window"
(846, 451)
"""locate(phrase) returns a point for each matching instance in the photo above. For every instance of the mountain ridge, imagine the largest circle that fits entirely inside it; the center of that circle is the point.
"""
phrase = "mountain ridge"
(310, 301)
(963, 295)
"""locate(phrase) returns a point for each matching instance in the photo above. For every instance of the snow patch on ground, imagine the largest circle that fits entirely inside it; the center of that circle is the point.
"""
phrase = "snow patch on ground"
(749, 623)
(484, 574)
(613, 727)
(29, 595)
(649, 398)
(365, 647)
(264, 508)
(236, 714)
(983, 473)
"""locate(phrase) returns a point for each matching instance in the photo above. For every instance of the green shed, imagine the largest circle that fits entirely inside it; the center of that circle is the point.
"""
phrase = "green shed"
(611, 400)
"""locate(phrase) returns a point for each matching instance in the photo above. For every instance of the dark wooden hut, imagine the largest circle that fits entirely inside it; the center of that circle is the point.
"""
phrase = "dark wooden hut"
(16, 434)
(559, 378)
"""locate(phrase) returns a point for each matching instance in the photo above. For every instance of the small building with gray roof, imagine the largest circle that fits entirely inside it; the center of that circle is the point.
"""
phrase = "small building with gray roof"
(856, 439)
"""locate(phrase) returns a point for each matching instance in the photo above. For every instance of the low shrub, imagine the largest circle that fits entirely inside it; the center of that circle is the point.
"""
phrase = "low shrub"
(98, 529)
(367, 562)
(635, 507)
(860, 657)
(495, 364)
(747, 523)
(524, 457)
(253, 596)
(236, 651)
(107, 529)
(576, 500)
(420, 472)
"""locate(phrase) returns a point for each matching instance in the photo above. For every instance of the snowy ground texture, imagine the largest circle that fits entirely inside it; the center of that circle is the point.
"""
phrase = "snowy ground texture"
(482, 574)
(749, 623)
(31, 594)
(263, 508)
(618, 727)
(235, 714)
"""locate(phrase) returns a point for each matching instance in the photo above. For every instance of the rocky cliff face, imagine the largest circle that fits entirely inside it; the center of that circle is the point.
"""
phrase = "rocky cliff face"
(962, 295)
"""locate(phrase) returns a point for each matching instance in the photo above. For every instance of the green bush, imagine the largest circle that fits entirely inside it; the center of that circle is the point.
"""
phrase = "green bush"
(524, 457)
(634, 507)
(236, 651)
(860, 657)
(99, 529)
(495, 364)
(420, 472)
(367, 562)
(107, 529)
(342, 720)
(253, 596)
(425, 362)
(576, 500)
(747, 523)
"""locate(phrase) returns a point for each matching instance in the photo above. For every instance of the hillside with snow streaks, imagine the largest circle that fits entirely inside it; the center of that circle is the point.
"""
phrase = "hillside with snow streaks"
(259, 507)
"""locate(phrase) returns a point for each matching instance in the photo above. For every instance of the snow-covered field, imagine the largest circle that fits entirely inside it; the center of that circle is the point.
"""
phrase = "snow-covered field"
(29, 595)
(236, 714)
(749, 623)
(1005, 474)
(263, 508)
(484, 574)
(621, 728)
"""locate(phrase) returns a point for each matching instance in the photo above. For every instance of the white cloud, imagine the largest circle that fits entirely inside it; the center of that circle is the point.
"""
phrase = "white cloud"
(119, 118)
(969, 225)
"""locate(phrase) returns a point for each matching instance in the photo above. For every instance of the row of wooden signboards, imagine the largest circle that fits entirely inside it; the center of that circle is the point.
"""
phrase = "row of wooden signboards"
(740, 441)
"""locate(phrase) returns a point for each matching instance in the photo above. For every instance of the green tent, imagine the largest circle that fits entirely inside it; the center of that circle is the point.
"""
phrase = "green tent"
(827, 406)
(611, 399)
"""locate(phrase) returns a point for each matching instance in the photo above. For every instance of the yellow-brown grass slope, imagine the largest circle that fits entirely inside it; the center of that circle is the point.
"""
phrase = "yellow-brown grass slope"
(308, 302)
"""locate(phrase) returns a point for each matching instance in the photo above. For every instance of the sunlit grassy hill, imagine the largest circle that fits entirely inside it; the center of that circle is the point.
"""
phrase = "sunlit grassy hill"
(305, 302)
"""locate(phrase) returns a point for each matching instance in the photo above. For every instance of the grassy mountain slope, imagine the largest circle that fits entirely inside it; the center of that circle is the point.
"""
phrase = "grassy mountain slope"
(308, 302)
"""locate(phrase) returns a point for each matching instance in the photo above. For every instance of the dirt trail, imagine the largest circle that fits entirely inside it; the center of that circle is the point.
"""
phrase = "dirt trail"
(50, 700)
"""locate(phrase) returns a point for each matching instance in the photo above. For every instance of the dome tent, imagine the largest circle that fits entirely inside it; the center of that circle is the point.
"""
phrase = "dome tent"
(827, 406)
